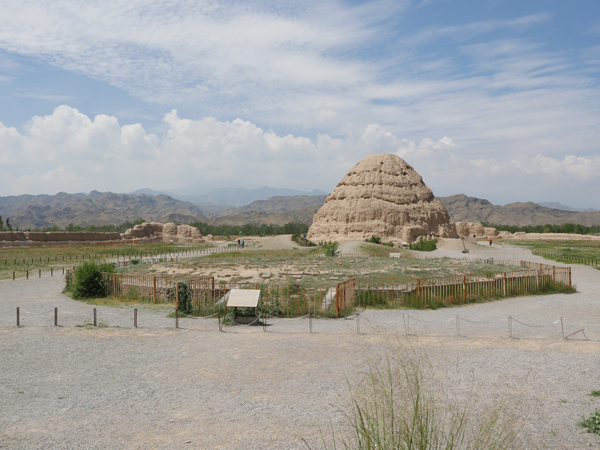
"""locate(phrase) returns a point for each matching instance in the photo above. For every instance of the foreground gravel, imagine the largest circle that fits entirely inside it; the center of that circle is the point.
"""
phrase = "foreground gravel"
(75, 386)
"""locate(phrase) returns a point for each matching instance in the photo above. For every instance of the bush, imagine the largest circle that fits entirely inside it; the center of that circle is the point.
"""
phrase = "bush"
(331, 249)
(592, 423)
(87, 280)
(388, 244)
(301, 240)
(185, 298)
(424, 245)
(374, 240)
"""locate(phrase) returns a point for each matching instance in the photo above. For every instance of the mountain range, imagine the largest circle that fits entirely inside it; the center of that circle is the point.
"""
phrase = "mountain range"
(236, 197)
(37, 211)
(471, 209)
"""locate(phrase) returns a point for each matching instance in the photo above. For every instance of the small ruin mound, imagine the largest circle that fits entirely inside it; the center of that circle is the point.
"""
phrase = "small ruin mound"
(168, 232)
(382, 196)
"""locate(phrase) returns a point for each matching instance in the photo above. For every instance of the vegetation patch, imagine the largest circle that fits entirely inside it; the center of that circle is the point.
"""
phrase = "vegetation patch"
(87, 280)
(401, 406)
(592, 422)
(572, 228)
(424, 245)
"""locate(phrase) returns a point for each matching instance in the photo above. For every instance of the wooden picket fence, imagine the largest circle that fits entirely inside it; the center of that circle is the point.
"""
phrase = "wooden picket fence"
(297, 300)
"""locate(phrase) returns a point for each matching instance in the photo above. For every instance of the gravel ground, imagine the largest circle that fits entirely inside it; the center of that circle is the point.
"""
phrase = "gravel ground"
(157, 387)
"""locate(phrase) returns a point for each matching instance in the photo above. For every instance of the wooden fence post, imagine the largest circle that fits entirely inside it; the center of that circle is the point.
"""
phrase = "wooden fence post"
(570, 277)
(464, 288)
(504, 284)
(154, 289)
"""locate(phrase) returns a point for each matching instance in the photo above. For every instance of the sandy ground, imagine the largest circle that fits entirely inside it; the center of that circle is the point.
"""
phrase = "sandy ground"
(74, 387)
(283, 242)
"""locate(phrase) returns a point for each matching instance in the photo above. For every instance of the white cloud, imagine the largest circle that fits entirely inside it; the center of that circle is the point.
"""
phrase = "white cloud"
(68, 151)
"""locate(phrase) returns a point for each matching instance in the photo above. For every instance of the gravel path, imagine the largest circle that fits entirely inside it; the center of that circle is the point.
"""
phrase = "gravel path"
(156, 387)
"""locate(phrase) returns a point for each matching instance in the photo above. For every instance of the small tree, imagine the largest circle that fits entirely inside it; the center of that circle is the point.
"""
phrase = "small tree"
(1, 224)
(87, 281)
(8, 225)
(331, 249)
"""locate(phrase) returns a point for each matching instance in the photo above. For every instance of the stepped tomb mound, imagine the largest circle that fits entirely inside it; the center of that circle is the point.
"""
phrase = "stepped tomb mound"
(382, 196)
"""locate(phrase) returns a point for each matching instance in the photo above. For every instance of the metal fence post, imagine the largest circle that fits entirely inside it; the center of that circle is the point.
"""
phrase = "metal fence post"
(18, 317)
(55, 317)
(135, 317)
(95, 318)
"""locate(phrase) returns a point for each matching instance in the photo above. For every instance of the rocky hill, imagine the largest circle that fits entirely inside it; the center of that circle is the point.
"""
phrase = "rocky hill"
(95, 208)
(470, 209)
(276, 211)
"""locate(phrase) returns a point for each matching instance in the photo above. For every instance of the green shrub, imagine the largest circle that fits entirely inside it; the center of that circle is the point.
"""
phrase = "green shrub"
(592, 422)
(424, 245)
(185, 298)
(87, 280)
(374, 239)
(389, 244)
(300, 240)
(331, 249)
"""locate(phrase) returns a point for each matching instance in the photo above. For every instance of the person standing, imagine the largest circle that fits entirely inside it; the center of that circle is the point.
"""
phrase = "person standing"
(490, 241)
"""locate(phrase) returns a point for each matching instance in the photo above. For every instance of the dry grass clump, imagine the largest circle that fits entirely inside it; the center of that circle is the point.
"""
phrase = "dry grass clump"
(401, 406)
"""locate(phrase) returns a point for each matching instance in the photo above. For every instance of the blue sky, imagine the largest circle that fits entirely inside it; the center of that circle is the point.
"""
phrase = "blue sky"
(495, 99)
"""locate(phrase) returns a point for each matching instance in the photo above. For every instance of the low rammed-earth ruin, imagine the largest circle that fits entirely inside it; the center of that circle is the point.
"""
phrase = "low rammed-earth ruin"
(383, 196)
(143, 233)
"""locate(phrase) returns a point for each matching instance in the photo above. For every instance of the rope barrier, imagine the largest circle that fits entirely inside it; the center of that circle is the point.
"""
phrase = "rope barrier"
(245, 324)
(473, 321)
(425, 321)
(535, 326)
(379, 323)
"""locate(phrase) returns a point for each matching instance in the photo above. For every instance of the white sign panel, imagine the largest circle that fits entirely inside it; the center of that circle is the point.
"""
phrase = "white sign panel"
(243, 298)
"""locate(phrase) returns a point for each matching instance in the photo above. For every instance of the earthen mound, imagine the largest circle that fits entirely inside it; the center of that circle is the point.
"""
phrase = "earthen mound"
(167, 232)
(382, 196)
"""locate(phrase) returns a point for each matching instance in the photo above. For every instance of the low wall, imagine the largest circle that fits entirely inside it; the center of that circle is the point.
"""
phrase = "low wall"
(54, 236)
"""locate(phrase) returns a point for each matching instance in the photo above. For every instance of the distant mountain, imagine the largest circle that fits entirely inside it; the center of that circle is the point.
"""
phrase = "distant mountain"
(235, 197)
(277, 204)
(470, 209)
(556, 205)
(95, 208)
(276, 210)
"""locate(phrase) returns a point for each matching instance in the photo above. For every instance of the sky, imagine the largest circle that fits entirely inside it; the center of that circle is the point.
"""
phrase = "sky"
(495, 99)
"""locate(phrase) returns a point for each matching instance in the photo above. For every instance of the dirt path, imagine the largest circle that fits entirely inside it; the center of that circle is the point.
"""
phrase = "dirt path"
(282, 242)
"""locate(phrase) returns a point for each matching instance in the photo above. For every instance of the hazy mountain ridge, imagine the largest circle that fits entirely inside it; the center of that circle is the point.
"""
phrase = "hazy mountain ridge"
(95, 208)
(471, 209)
(276, 211)
(556, 205)
(231, 197)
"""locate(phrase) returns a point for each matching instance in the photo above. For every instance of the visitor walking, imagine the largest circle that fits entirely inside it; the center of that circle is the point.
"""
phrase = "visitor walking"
(490, 241)
(244, 243)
